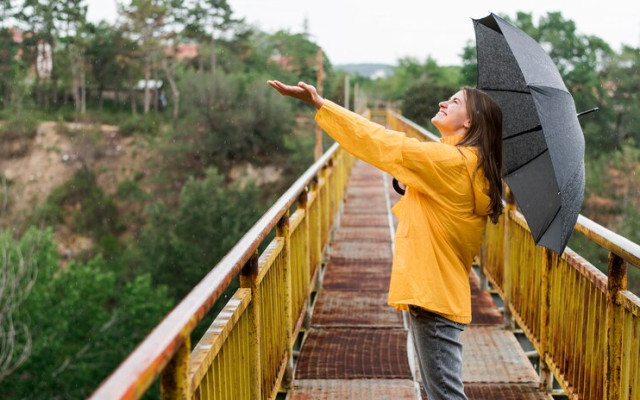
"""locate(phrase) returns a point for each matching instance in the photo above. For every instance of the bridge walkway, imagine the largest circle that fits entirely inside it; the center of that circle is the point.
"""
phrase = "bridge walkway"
(358, 347)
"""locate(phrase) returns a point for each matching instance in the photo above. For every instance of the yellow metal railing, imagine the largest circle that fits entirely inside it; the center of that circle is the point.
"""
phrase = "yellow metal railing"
(247, 351)
(583, 323)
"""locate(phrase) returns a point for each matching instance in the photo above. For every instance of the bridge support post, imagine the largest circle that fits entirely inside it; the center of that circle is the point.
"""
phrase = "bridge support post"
(546, 376)
(249, 279)
(484, 282)
(282, 230)
(507, 266)
(617, 282)
(303, 204)
(175, 383)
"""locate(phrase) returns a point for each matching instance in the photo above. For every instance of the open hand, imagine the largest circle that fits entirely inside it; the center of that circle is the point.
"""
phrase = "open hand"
(304, 92)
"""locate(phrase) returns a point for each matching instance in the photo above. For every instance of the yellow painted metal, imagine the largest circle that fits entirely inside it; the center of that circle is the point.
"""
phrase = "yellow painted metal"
(221, 359)
(299, 264)
(615, 318)
(283, 231)
(274, 322)
(249, 280)
(325, 206)
(511, 261)
(582, 321)
(315, 226)
(174, 383)
(546, 377)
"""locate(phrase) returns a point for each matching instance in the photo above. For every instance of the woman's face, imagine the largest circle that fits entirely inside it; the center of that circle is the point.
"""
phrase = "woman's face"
(452, 119)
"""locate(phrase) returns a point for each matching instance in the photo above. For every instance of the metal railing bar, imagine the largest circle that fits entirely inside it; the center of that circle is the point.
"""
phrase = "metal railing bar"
(136, 373)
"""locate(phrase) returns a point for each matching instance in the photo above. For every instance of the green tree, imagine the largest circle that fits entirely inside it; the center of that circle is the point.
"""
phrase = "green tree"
(204, 20)
(18, 276)
(621, 82)
(179, 249)
(9, 67)
(81, 203)
(421, 100)
(82, 324)
(145, 23)
(71, 18)
(38, 21)
(297, 54)
(106, 53)
(422, 86)
(234, 120)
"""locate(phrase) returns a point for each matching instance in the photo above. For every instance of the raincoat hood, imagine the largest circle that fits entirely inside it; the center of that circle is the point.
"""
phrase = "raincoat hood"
(479, 183)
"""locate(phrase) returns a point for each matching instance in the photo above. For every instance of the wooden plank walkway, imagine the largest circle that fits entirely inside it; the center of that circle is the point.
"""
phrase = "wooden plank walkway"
(358, 347)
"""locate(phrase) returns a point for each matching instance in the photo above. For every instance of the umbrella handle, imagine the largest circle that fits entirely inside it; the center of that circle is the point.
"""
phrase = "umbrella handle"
(397, 188)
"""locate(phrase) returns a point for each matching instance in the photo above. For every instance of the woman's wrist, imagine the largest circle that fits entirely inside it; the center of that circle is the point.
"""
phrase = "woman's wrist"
(317, 103)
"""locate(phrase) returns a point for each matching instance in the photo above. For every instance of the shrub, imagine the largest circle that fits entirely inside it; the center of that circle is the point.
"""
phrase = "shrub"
(92, 210)
(140, 124)
(233, 120)
(16, 135)
(178, 249)
(129, 189)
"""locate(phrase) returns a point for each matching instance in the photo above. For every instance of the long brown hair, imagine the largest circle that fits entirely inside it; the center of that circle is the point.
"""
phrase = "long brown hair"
(485, 133)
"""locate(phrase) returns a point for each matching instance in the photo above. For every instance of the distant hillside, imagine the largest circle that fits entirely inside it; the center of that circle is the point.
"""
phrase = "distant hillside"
(373, 71)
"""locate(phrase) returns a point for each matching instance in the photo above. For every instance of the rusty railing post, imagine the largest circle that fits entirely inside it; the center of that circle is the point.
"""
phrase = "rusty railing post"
(506, 262)
(174, 382)
(283, 231)
(546, 376)
(317, 266)
(249, 279)
(617, 282)
(484, 282)
(303, 204)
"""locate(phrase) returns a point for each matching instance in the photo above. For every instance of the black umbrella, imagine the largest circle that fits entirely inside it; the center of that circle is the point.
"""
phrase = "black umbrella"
(543, 144)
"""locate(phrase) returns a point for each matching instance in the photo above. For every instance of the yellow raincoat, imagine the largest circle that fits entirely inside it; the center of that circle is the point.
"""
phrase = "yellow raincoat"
(442, 216)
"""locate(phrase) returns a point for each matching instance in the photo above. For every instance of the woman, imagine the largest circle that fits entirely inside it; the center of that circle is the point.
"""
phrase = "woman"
(452, 187)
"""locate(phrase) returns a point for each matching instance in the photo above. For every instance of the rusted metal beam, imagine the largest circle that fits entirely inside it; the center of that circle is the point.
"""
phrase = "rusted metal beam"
(510, 205)
(613, 355)
(175, 383)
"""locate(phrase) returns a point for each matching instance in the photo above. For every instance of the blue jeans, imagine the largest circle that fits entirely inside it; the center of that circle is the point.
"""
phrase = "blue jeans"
(437, 342)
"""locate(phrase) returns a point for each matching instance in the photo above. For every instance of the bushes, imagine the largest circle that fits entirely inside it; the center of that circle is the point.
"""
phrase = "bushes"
(16, 135)
(81, 322)
(92, 211)
(178, 249)
(130, 190)
(230, 119)
(140, 124)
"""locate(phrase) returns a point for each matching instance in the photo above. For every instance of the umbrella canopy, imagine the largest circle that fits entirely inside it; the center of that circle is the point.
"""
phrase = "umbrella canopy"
(543, 144)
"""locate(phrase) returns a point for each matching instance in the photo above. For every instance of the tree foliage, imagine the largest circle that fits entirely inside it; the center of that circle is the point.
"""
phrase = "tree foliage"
(234, 119)
(178, 249)
(77, 321)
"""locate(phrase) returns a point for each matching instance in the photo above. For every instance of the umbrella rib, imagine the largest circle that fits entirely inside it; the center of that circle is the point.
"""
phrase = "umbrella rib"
(544, 230)
(533, 159)
(505, 90)
(535, 128)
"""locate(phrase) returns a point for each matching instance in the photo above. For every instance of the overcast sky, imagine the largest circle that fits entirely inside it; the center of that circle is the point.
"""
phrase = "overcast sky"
(358, 31)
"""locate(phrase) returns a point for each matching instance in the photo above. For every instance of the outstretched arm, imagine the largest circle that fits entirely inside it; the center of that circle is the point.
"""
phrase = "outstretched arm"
(423, 166)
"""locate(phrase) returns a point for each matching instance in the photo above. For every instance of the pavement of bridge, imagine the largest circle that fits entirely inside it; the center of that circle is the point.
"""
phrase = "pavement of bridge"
(358, 346)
